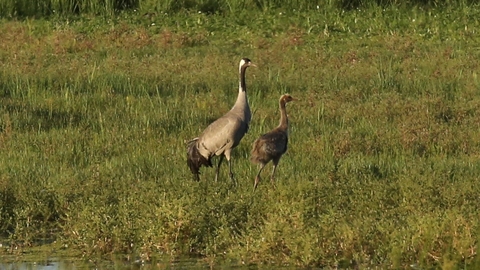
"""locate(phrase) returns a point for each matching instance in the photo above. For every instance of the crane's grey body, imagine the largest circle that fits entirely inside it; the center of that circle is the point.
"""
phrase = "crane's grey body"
(223, 135)
(272, 145)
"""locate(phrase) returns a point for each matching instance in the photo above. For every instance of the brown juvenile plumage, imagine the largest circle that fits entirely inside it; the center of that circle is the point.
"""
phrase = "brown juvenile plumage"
(221, 136)
(272, 145)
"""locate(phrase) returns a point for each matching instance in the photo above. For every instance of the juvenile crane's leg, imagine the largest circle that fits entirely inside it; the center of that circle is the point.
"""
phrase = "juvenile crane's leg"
(275, 163)
(217, 172)
(257, 178)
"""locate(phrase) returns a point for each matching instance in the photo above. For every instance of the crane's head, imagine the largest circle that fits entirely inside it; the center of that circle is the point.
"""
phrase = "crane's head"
(286, 98)
(245, 62)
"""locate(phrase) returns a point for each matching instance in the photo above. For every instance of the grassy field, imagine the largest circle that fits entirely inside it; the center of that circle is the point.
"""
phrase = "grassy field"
(382, 169)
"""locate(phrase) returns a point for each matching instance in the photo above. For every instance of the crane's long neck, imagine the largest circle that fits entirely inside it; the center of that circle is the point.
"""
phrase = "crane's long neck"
(242, 101)
(283, 116)
(242, 87)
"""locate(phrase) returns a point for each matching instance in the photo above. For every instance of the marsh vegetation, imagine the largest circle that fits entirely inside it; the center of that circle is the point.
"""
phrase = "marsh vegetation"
(383, 160)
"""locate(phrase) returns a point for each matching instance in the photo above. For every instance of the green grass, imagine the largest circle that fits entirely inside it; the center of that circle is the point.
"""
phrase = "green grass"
(111, 8)
(382, 167)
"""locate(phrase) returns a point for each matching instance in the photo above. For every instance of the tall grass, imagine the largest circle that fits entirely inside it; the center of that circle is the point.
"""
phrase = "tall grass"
(382, 167)
(48, 8)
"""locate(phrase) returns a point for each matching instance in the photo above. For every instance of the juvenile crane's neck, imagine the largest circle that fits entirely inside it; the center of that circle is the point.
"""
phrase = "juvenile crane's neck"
(283, 116)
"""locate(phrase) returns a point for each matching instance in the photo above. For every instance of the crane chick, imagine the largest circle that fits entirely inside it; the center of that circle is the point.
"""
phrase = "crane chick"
(223, 135)
(272, 145)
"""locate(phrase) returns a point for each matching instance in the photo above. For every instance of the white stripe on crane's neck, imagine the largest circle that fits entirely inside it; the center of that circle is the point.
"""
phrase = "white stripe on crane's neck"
(242, 87)
(241, 104)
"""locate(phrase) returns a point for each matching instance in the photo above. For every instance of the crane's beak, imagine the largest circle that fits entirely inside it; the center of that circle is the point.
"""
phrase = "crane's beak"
(252, 65)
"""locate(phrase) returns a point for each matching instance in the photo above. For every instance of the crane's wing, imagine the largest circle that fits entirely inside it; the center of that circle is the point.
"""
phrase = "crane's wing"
(273, 143)
(225, 133)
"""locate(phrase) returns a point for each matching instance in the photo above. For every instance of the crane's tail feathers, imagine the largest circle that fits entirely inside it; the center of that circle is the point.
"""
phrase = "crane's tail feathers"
(194, 159)
(192, 140)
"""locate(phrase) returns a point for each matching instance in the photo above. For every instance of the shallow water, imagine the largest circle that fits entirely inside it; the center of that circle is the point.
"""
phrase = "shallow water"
(77, 264)
(47, 254)
(50, 255)
(54, 265)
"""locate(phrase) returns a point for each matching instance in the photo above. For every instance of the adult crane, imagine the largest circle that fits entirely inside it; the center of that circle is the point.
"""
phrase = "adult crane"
(223, 135)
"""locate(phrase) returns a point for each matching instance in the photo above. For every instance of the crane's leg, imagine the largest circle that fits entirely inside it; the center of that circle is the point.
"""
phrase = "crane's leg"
(217, 172)
(227, 155)
(275, 163)
(257, 178)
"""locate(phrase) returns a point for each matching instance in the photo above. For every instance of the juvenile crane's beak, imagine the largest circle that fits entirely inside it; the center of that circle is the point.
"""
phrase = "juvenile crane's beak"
(252, 65)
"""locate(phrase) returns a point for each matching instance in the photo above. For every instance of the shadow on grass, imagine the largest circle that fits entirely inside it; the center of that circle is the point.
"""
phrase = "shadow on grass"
(45, 119)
